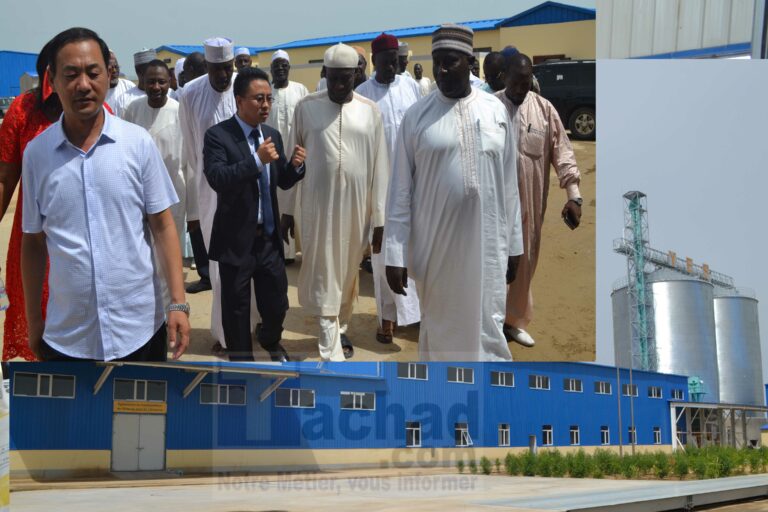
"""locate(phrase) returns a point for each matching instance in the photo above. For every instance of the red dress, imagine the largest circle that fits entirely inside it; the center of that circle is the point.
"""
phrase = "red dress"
(22, 123)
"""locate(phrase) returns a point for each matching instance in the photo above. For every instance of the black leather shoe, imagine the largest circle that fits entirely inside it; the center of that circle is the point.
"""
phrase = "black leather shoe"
(347, 347)
(200, 286)
(278, 354)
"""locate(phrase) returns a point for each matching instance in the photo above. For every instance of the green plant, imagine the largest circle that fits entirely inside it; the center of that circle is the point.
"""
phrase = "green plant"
(558, 465)
(543, 464)
(699, 466)
(661, 465)
(756, 463)
(497, 463)
(681, 466)
(528, 464)
(608, 462)
(460, 465)
(629, 467)
(473, 467)
(645, 462)
(581, 465)
(512, 464)
(485, 465)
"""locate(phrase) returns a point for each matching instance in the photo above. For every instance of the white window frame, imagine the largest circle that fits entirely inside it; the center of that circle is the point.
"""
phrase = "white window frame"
(503, 434)
(503, 378)
(677, 394)
(603, 387)
(574, 429)
(656, 435)
(461, 375)
(217, 394)
(412, 374)
(464, 438)
(297, 396)
(135, 389)
(355, 396)
(547, 434)
(539, 382)
(50, 385)
(415, 428)
(573, 385)
(605, 435)
(632, 433)
(631, 390)
(652, 390)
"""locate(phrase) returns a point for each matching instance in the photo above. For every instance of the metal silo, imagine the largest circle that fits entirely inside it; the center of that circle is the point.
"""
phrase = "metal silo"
(738, 348)
(684, 328)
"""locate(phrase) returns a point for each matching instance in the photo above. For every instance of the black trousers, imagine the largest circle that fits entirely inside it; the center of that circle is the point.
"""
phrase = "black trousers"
(154, 350)
(200, 253)
(266, 268)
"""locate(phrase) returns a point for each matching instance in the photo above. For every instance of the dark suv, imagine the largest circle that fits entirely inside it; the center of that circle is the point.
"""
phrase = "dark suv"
(570, 86)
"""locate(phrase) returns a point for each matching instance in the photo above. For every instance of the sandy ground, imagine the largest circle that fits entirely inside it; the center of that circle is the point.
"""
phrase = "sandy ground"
(564, 294)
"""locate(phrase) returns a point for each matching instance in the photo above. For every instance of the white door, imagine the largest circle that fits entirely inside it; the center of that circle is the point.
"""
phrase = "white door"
(138, 442)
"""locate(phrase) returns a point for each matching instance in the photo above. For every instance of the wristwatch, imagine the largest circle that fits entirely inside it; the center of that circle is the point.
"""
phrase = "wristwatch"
(179, 307)
(579, 201)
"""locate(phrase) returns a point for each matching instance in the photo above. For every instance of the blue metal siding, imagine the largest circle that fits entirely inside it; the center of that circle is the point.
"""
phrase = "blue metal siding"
(436, 403)
(547, 13)
(12, 66)
(186, 49)
(729, 50)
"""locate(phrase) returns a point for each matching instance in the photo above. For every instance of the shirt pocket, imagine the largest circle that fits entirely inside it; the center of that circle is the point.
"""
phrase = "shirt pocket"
(491, 137)
(532, 141)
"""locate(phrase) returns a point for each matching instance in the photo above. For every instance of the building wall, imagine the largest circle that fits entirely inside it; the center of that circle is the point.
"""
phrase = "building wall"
(233, 436)
(12, 66)
(576, 40)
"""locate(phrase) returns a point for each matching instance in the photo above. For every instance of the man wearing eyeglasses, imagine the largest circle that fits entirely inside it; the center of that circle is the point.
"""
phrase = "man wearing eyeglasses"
(244, 163)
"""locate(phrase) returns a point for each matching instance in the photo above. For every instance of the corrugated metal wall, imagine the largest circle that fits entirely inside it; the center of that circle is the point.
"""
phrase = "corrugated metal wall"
(673, 28)
(12, 66)
(85, 423)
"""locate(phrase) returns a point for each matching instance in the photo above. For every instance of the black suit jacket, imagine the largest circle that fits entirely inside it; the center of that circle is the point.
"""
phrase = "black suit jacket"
(231, 170)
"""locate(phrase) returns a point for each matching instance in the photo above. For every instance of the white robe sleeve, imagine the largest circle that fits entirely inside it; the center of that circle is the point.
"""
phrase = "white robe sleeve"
(511, 193)
(398, 224)
(188, 162)
(294, 138)
(380, 173)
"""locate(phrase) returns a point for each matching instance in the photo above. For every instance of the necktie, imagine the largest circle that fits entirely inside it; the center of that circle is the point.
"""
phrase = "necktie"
(264, 196)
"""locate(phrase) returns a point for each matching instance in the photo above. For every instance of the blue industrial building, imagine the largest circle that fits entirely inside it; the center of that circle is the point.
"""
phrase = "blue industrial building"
(91, 417)
(13, 66)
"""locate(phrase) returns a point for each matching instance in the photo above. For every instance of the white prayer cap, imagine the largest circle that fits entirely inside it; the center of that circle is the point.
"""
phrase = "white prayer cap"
(280, 54)
(340, 56)
(218, 49)
(402, 49)
(179, 67)
(144, 56)
(242, 51)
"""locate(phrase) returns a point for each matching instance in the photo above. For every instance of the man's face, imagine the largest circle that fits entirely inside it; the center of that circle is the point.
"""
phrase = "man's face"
(451, 71)
(341, 81)
(418, 71)
(242, 62)
(403, 63)
(280, 68)
(254, 106)
(360, 71)
(81, 79)
(494, 74)
(475, 68)
(220, 75)
(114, 70)
(174, 83)
(191, 71)
(519, 79)
(386, 64)
(156, 84)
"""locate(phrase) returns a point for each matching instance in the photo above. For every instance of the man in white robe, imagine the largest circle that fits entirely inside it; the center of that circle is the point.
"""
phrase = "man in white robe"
(207, 101)
(178, 71)
(343, 197)
(453, 211)
(117, 85)
(140, 61)
(285, 96)
(542, 142)
(394, 94)
(403, 52)
(425, 84)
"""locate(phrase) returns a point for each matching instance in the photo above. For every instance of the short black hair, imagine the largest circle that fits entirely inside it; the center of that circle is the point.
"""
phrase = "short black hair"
(157, 63)
(73, 35)
(245, 77)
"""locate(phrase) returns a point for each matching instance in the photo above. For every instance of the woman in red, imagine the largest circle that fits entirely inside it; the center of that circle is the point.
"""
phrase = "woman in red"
(28, 116)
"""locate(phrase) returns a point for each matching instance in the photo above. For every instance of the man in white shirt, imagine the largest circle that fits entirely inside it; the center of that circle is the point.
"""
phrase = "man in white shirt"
(117, 85)
(425, 84)
(140, 61)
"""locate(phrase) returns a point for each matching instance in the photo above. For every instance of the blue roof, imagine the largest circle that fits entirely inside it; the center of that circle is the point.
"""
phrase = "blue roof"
(547, 13)
(362, 370)
(186, 49)
(12, 66)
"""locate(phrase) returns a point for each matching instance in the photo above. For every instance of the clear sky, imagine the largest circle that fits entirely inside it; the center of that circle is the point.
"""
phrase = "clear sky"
(691, 135)
(129, 26)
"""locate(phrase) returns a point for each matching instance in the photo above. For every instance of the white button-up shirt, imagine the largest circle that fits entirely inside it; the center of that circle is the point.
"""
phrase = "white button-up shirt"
(105, 300)
(254, 145)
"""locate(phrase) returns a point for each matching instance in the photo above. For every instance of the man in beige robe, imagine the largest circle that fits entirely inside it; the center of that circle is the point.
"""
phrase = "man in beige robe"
(343, 196)
(542, 142)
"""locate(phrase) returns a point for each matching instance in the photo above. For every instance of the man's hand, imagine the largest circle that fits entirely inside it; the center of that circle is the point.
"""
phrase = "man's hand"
(512, 263)
(286, 226)
(267, 152)
(572, 214)
(378, 236)
(397, 279)
(35, 329)
(299, 154)
(178, 332)
(192, 226)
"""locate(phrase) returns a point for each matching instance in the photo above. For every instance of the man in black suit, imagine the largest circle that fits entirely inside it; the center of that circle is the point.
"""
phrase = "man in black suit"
(244, 162)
